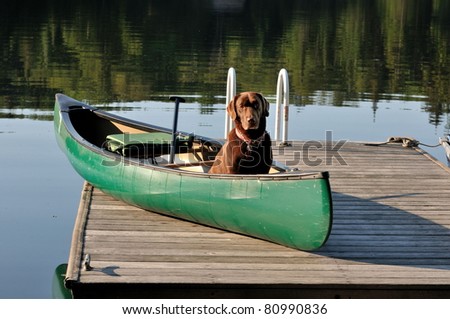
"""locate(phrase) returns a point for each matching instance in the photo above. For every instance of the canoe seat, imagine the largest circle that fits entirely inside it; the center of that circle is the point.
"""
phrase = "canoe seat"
(146, 145)
(201, 166)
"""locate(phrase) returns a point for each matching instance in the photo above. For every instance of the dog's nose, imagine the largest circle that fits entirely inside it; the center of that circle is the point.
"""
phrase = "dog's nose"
(251, 119)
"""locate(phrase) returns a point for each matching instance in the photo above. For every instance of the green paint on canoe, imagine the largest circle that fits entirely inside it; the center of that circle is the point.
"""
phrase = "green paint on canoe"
(59, 291)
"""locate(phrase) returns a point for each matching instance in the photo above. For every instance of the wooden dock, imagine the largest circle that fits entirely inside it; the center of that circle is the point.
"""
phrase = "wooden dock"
(390, 238)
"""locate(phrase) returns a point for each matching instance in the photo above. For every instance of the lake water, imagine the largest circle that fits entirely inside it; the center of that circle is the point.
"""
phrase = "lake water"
(362, 70)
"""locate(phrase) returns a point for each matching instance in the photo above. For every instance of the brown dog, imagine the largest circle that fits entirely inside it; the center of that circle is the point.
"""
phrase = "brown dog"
(248, 146)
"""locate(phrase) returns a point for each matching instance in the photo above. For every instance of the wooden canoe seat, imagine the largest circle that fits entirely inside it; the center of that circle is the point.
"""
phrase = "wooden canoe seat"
(201, 166)
(146, 145)
(204, 166)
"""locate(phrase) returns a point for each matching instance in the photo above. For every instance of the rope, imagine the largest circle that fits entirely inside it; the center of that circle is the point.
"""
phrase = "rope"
(430, 145)
(406, 142)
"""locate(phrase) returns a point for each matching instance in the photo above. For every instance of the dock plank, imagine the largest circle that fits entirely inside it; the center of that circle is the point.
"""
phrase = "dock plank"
(390, 238)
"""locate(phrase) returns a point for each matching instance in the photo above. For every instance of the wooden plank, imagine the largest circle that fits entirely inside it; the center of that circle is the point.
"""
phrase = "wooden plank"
(76, 249)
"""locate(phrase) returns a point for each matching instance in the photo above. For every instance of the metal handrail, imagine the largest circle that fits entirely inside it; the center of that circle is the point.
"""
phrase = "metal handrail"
(231, 92)
(282, 96)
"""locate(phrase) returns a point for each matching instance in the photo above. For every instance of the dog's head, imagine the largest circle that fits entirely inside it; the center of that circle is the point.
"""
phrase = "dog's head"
(248, 108)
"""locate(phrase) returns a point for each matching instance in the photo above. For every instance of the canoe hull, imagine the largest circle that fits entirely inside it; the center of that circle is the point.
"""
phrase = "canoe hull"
(59, 290)
(295, 211)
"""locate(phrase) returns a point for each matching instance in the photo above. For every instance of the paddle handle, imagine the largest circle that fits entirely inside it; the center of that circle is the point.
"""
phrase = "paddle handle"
(177, 100)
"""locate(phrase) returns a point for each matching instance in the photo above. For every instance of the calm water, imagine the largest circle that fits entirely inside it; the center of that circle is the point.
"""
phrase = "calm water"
(364, 70)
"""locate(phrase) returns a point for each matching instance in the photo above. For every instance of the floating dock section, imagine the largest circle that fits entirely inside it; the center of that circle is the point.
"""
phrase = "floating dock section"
(390, 238)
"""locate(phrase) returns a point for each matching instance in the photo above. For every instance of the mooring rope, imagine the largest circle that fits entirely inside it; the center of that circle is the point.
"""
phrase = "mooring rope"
(406, 142)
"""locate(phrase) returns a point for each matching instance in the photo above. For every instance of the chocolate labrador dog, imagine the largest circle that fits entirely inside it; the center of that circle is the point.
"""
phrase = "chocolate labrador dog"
(248, 146)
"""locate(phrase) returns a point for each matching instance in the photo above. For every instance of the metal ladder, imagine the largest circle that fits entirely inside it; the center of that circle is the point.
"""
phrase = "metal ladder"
(282, 99)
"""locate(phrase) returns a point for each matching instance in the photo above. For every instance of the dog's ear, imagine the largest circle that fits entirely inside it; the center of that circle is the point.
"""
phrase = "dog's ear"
(231, 108)
(265, 105)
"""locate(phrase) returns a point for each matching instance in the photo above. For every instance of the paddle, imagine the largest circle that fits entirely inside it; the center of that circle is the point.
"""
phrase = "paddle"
(177, 100)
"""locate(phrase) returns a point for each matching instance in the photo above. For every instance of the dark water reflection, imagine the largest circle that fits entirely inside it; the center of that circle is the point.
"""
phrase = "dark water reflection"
(116, 50)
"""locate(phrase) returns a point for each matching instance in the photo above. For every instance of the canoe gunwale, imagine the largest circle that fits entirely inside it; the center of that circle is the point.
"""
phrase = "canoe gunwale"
(66, 105)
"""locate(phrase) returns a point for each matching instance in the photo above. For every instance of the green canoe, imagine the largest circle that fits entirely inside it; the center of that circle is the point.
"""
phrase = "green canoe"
(59, 290)
(130, 161)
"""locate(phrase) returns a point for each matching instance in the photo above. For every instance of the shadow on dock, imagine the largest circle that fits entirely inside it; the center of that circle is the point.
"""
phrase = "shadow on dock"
(368, 231)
